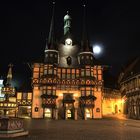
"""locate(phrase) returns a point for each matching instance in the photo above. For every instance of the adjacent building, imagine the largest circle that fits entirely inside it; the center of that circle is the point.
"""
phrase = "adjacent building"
(112, 101)
(130, 88)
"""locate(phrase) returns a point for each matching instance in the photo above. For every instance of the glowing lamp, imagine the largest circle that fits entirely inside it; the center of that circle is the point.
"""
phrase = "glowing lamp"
(68, 41)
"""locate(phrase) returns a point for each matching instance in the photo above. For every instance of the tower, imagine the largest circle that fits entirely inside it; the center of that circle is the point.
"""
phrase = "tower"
(87, 78)
(44, 78)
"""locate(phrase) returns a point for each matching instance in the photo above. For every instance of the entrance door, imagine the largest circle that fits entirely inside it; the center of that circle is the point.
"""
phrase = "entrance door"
(69, 114)
(47, 113)
(88, 114)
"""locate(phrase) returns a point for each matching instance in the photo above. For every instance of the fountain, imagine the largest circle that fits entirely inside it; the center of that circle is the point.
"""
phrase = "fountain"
(10, 126)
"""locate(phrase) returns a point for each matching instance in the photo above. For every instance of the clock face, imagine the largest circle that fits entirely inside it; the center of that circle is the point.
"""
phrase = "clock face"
(68, 41)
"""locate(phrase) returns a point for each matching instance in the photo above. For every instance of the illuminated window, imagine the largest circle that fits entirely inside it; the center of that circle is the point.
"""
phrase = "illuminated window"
(49, 92)
(63, 76)
(59, 75)
(19, 95)
(99, 77)
(63, 70)
(36, 69)
(73, 70)
(35, 75)
(54, 71)
(87, 88)
(41, 69)
(50, 71)
(68, 70)
(87, 72)
(99, 72)
(49, 87)
(45, 71)
(53, 92)
(82, 72)
(77, 71)
(94, 71)
(87, 93)
(73, 76)
(68, 76)
(82, 93)
(59, 70)
(44, 91)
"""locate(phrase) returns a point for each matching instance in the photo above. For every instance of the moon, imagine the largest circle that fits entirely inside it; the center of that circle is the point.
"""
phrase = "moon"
(97, 49)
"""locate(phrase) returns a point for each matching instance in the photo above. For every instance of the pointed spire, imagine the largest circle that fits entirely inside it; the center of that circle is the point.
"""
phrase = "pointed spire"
(85, 40)
(50, 42)
(9, 75)
(67, 23)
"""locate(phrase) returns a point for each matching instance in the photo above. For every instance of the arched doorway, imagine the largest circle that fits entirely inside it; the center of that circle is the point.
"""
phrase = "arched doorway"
(68, 104)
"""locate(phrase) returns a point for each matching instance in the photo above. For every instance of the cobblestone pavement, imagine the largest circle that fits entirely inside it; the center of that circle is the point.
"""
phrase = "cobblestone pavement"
(104, 129)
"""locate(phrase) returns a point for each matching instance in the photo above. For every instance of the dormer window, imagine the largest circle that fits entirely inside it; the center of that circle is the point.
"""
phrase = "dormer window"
(69, 60)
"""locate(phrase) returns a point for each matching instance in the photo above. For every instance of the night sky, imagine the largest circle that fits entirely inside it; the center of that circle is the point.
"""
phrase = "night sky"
(24, 28)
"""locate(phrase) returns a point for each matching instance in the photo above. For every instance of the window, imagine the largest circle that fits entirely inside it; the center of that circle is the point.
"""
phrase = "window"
(69, 60)
(99, 72)
(50, 71)
(99, 77)
(82, 93)
(68, 76)
(54, 71)
(36, 75)
(63, 75)
(45, 71)
(73, 76)
(87, 93)
(88, 72)
(49, 92)
(19, 94)
(82, 73)
(53, 92)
